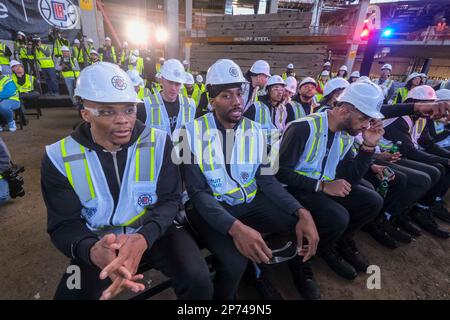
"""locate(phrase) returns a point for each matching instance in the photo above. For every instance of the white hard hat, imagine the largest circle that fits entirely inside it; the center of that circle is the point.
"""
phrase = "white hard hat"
(76, 41)
(333, 84)
(133, 59)
(275, 79)
(162, 59)
(343, 68)
(325, 73)
(185, 62)
(93, 52)
(327, 64)
(21, 34)
(158, 75)
(355, 74)
(261, 67)
(387, 66)
(90, 40)
(423, 92)
(363, 78)
(423, 75)
(136, 79)
(412, 76)
(189, 78)
(107, 39)
(65, 48)
(199, 78)
(136, 52)
(290, 66)
(173, 70)
(443, 94)
(308, 80)
(291, 84)
(224, 71)
(125, 43)
(105, 82)
(365, 96)
(14, 63)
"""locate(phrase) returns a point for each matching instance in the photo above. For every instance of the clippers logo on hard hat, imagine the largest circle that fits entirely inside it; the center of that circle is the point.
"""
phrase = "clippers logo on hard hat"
(119, 83)
(234, 72)
(145, 200)
(59, 13)
(177, 73)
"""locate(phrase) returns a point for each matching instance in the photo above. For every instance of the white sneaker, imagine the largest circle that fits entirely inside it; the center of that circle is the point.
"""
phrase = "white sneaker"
(12, 126)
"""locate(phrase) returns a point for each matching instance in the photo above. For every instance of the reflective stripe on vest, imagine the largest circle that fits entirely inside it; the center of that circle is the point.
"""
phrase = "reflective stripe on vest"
(206, 145)
(112, 55)
(78, 54)
(415, 129)
(439, 127)
(403, 94)
(44, 61)
(298, 109)
(310, 162)
(71, 73)
(139, 66)
(3, 58)
(196, 93)
(143, 92)
(138, 187)
(3, 82)
(263, 116)
(28, 85)
(157, 116)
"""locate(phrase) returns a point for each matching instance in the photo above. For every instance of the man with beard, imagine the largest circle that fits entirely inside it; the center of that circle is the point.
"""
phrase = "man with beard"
(319, 167)
(303, 101)
(234, 195)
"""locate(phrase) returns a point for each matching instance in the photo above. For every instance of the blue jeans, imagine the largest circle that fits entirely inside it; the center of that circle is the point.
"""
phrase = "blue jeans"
(70, 84)
(4, 191)
(50, 78)
(7, 107)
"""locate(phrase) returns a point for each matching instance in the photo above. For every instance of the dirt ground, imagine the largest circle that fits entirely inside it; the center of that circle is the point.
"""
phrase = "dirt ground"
(30, 267)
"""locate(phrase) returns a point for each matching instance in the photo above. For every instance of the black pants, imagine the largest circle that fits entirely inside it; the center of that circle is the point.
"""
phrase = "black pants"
(337, 217)
(440, 179)
(175, 254)
(262, 215)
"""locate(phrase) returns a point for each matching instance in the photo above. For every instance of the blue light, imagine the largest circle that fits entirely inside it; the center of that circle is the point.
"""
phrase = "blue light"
(388, 32)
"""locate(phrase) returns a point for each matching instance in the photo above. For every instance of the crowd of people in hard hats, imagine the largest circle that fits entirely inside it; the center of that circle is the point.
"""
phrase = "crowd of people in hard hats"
(253, 166)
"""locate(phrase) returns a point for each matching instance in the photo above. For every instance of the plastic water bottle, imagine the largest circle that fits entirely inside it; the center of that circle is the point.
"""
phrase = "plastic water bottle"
(383, 188)
(396, 147)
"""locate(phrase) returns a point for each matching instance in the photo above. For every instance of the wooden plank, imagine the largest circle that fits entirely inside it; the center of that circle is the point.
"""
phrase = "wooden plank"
(262, 17)
(259, 48)
(259, 33)
(257, 25)
(279, 40)
(261, 55)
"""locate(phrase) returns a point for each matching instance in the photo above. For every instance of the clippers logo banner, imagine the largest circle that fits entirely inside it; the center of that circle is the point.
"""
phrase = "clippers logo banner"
(36, 17)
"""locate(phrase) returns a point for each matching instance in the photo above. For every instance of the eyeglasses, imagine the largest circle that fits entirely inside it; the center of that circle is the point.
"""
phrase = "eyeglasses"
(129, 112)
(278, 259)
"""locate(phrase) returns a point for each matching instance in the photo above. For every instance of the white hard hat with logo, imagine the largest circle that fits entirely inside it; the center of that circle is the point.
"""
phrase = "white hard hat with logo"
(343, 68)
(93, 52)
(355, 74)
(224, 71)
(327, 64)
(14, 63)
(189, 78)
(135, 78)
(199, 78)
(173, 70)
(65, 48)
(105, 82)
(333, 84)
(386, 66)
(275, 79)
(443, 94)
(423, 75)
(261, 67)
(308, 80)
(291, 84)
(423, 92)
(290, 66)
(412, 76)
(365, 96)
(76, 41)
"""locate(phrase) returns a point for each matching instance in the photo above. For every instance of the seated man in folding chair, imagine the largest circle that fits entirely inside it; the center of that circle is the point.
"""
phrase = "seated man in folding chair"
(26, 85)
(112, 193)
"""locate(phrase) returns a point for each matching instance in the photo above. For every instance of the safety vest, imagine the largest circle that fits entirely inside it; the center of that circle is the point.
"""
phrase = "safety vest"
(298, 109)
(143, 92)
(113, 54)
(415, 129)
(311, 160)
(158, 67)
(21, 49)
(44, 61)
(28, 85)
(439, 127)
(139, 66)
(246, 157)
(403, 94)
(157, 116)
(71, 73)
(156, 87)
(138, 188)
(4, 80)
(78, 54)
(319, 94)
(3, 58)
(57, 48)
(88, 53)
(123, 55)
(196, 94)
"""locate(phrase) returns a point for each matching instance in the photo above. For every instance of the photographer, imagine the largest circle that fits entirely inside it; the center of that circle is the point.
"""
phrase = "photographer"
(20, 50)
(55, 35)
(11, 184)
(26, 84)
(5, 55)
(108, 52)
(69, 69)
(5, 164)
(43, 55)
(78, 53)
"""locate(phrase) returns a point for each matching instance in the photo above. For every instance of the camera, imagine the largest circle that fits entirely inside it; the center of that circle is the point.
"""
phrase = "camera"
(15, 181)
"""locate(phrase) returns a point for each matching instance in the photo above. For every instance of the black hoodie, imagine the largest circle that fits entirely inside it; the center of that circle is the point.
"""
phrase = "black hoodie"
(65, 225)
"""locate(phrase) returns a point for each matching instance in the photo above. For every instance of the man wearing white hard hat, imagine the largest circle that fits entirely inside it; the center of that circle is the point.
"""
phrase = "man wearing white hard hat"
(257, 76)
(326, 67)
(304, 101)
(168, 109)
(327, 183)
(94, 56)
(354, 76)
(324, 77)
(159, 64)
(124, 56)
(420, 153)
(26, 85)
(55, 36)
(441, 133)
(199, 83)
(385, 82)
(138, 84)
(46, 64)
(112, 192)
(78, 53)
(5, 57)
(331, 92)
(108, 52)
(20, 48)
(233, 200)
(342, 72)
(89, 46)
(136, 62)
(191, 89)
(69, 68)
(186, 66)
(289, 71)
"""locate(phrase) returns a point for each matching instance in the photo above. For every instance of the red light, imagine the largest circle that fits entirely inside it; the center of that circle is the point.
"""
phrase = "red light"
(365, 34)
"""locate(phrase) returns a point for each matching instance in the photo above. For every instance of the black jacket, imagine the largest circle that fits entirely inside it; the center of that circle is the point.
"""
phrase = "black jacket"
(66, 227)
(250, 112)
(219, 215)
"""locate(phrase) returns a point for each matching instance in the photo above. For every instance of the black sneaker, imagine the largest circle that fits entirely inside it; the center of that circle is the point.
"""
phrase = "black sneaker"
(265, 289)
(405, 223)
(380, 235)
(440, 211)
(304, 279)
(347, 248)
(337, 263)
(425, 220)
(395, 232)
